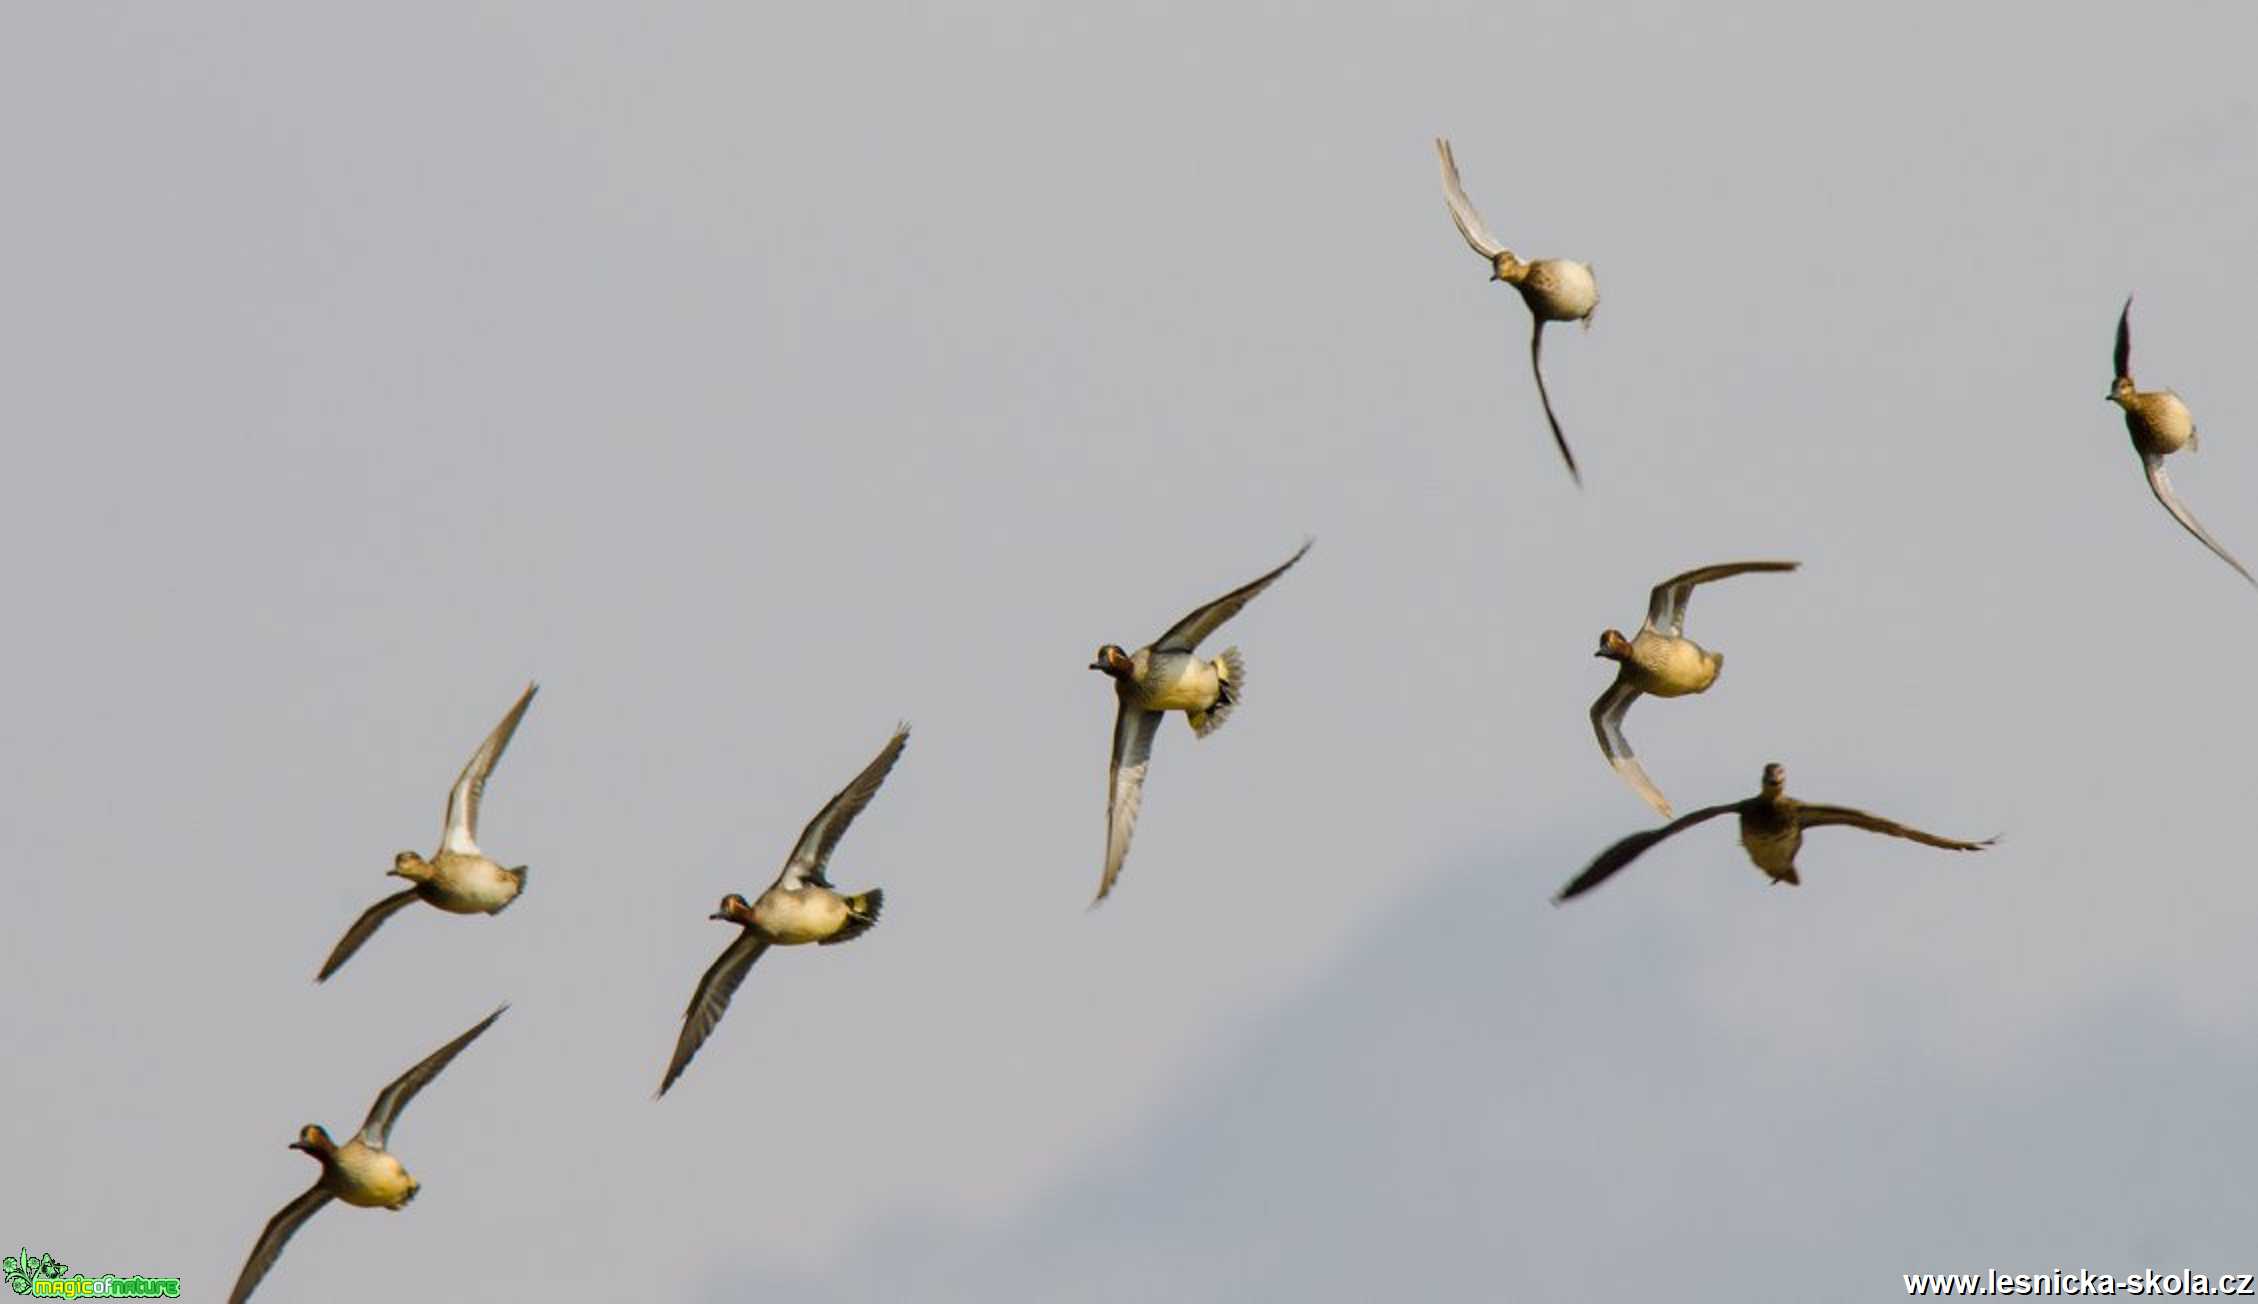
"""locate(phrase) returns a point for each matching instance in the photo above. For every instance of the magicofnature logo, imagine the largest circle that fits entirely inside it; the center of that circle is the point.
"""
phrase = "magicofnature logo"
(41, 1276)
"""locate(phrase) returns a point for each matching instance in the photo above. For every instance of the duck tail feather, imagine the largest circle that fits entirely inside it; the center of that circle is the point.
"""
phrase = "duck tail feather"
(1230, 684)
(862, 916)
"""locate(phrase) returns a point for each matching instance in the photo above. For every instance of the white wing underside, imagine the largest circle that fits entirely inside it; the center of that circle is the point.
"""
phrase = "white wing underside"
(461, 836)
(1462, 211)
(1133, 731)
(2161, 485)
(1607, 722)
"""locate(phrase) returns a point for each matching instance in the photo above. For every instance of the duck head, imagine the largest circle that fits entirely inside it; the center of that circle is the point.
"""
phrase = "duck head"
(1775, 779)
(1613, 646)
(735, 909)
(2120, 392)
(313, 1138)
(410, 866)
(1114, 661)
(1505, 267)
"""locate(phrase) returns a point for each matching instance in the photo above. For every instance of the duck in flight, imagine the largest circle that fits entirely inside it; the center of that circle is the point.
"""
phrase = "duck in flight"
(1556, 289)
(2160, 425)
(459, 878)
(1167, 675)
(1661, 661)
(360, 1172)
(1772, 825)
(800, 906)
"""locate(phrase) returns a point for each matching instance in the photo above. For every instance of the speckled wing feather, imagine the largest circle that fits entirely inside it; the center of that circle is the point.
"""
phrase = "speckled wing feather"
(376, 1129)
(1133, 730)
(363, 928)
(279, 1230)
(710, 1000)
(1628, 850)
(1607, 723)
(2161, 485)
(1462, 211)
(462, 800)
(1185, 634)
(813, 851)
(1819, 817)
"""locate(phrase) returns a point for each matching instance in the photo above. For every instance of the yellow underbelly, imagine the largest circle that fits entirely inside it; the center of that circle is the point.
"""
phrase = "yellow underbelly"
(471, 885)
(1193, 690)
(807, 915)
(369, 1178)
(1673, 667)
(1559, 289)
(2161, 424)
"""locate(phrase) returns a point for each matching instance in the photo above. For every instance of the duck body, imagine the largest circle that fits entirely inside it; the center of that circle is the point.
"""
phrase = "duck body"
(792, 916)
(1555, 289)
(1667, 665)
(2157, 420)
(1172, 681)
(1772, 835)
(360, 1174)
(469, 883)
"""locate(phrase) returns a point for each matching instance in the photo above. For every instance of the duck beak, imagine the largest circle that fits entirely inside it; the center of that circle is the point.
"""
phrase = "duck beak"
(717, 915)
(1097, 665)
(1602, 652)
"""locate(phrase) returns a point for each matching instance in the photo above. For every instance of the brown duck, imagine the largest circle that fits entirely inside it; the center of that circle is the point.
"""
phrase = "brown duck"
(360, 1172)
(1555, 289)
(1772, 825)
(2160, 425)
(458, 878)
(1662, 661)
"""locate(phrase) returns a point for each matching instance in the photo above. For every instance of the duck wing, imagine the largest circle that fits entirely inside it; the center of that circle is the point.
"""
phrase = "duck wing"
(1624, 852)
(813, 851)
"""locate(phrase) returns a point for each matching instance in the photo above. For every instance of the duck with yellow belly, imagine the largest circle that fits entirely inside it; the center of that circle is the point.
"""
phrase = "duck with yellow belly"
(800, 907)
(1554, 289)
(1167, 675)
(360, 1172)
(1662, 661)
(2160, 425)
(458, 878)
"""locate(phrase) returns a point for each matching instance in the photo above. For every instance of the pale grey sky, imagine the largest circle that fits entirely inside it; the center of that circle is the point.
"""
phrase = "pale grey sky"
(754, 378)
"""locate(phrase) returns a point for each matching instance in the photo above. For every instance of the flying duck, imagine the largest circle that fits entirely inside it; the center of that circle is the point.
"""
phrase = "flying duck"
(1165, 675)
(1556, 289)
(459, 878)
(1661, 661)
(800, 906)
(2160, 425)
(1772, 825)
(360, 1172)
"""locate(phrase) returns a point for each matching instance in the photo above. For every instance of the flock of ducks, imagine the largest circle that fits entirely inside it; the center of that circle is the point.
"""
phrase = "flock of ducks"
(801, 905)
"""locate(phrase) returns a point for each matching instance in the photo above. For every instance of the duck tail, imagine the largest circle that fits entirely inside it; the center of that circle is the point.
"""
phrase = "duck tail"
(862, 915)
(1230, 684)
(518, 874)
